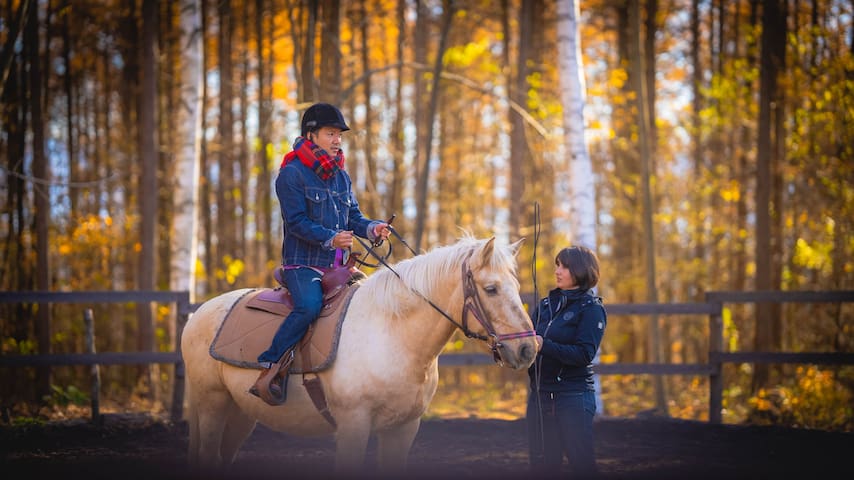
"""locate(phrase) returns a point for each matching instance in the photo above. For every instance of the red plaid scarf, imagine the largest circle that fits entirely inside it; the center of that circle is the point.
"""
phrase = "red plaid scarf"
(315, 158)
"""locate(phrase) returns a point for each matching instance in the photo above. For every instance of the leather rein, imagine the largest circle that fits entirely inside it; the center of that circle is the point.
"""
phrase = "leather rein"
(471, 303)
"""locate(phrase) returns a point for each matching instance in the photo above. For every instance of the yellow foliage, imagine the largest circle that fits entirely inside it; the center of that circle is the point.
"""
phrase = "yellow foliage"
(732, 192)
(814, 398)
(617, 79)
(608, 358)
(815, 256)
(59, 337)
(468, 54)
(232, 269)
(14, 347)
(730, 333)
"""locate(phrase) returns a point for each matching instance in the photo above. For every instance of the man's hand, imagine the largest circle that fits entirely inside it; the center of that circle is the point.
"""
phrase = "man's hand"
(343, 239)
(381, 231)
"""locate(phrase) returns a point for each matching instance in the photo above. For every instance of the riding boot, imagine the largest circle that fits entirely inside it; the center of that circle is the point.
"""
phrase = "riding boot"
(272, 383)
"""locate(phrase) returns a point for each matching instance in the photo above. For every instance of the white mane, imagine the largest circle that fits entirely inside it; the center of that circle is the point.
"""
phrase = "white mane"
(433, 274)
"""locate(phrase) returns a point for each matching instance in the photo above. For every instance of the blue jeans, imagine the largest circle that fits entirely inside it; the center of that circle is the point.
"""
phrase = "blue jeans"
(304, 285)
(561, 424)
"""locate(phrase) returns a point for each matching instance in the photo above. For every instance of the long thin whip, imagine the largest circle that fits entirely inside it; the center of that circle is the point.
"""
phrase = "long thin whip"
(538, 360)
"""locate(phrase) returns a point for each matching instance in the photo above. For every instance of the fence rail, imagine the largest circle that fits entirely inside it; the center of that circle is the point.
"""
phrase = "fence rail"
(711, 308)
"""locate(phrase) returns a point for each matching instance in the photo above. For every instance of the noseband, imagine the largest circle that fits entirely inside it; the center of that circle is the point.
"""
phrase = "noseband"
(473, 304)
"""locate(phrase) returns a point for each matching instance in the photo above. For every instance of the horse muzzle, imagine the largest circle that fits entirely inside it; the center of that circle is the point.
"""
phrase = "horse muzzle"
(519, 355)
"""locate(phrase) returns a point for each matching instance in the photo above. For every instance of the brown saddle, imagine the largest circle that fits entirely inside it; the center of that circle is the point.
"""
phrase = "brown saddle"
(333, 281)
(252, 321)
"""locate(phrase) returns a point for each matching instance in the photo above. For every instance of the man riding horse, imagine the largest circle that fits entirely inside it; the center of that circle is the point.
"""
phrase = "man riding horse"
(320, 216)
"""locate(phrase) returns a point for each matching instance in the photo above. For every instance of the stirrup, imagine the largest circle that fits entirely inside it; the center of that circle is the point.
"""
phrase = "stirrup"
(272, 384)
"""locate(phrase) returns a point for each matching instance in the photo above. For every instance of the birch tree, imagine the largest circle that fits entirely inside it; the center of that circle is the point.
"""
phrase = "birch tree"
(188, 124)
(579, 174)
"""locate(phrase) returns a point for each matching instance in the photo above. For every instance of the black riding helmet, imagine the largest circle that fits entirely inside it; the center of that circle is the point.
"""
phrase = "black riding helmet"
(322, 115)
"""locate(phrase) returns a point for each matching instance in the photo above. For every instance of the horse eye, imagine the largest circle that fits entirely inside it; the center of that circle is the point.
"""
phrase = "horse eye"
(490, 290)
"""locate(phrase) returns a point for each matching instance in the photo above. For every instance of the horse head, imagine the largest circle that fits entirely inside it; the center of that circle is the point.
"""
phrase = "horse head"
(491, 296)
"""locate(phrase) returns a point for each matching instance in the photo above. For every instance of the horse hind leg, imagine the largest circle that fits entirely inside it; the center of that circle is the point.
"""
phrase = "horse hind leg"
(192, 418)
(238, 427)
(393, 446)
(212, 417)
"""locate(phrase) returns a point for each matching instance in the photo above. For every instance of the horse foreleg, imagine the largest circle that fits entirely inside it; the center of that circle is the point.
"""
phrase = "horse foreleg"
(393, 446)
(351, 443)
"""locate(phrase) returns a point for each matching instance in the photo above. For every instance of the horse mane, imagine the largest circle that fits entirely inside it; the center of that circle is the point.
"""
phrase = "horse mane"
(424, 273)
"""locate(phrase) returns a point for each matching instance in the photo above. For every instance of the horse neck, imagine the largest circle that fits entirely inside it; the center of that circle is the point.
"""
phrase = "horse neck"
(419, 326)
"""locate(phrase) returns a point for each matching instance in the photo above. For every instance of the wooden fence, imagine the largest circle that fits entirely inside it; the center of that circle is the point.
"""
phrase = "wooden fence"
(712, 308)
(183, 309)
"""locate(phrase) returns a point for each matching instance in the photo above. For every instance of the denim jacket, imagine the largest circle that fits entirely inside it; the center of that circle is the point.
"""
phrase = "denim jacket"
(572, 324)
(313, 211)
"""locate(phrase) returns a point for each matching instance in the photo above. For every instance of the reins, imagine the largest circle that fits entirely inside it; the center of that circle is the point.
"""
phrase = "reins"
(471, 302)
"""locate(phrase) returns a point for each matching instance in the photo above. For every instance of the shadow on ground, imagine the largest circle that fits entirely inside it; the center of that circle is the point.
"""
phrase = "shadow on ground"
(133, 446)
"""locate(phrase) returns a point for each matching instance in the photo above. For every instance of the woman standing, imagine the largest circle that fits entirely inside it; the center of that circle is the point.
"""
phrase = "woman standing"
(570, 323)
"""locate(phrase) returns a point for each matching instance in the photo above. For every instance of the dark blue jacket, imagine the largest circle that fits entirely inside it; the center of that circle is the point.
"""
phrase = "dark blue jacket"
(313, 211)
(571, 323)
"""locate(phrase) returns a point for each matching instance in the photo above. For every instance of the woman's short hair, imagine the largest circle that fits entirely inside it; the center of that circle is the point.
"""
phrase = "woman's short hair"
(583, 265)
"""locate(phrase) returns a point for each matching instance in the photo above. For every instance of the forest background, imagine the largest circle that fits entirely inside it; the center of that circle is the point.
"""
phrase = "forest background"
(719, 132)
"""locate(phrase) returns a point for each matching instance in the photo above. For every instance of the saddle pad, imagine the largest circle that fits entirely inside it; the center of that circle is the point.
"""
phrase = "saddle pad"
(250, 324)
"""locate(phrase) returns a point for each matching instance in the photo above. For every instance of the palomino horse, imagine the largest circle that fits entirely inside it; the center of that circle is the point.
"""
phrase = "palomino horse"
(386, 369)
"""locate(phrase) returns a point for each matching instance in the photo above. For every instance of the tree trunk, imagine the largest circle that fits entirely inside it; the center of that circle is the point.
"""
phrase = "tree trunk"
(225, 201)
(397, 139)
(308, 87)
(582, 189)
(188, 126)
(518, 89)
(369, 197)
(264, 204)
(148, 184)
(41, 193)
(699, 199)
(637, 65)
(205, 192)
(14, 28)
(424, 171)
(770, 98)
(330, 51)
(627, 251)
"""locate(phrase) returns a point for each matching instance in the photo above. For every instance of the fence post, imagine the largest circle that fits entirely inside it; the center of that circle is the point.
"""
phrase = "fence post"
(94, 369)
(716, 342)
(183, 307)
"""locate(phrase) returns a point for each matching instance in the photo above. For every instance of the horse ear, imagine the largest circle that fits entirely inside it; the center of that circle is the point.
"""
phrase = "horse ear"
(516, 246)
(486, 251)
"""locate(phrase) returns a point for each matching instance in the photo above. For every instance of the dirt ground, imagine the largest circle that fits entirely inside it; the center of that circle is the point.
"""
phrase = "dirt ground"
(135, 446)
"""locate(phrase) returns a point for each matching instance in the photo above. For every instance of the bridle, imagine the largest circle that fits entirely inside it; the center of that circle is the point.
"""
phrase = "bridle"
(471, 303)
